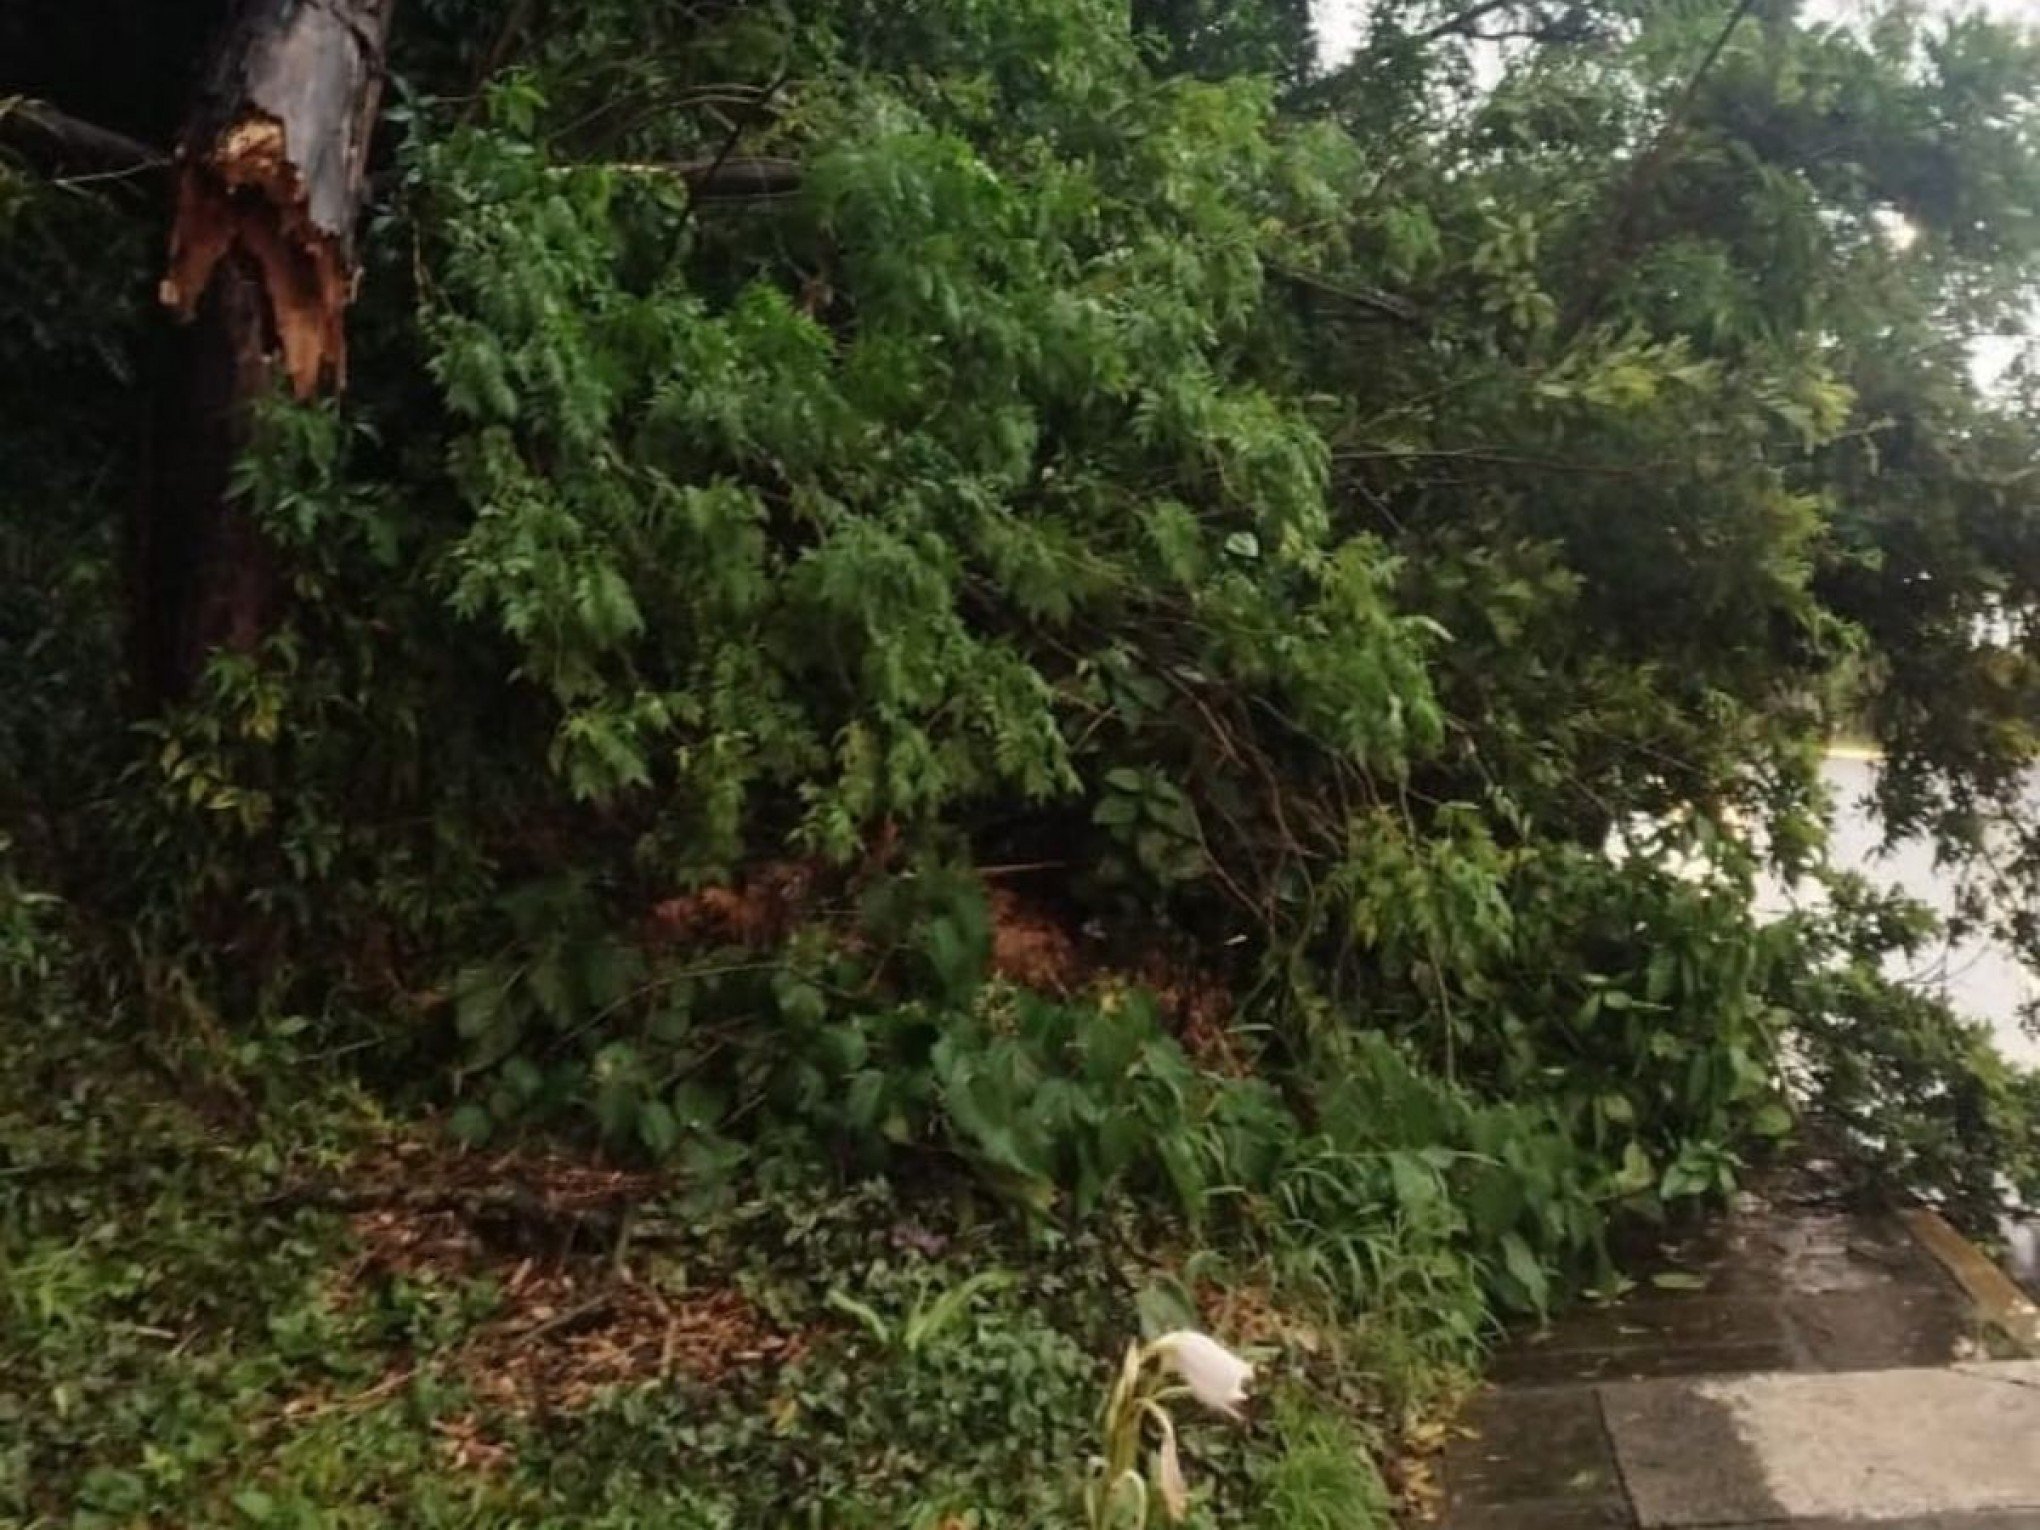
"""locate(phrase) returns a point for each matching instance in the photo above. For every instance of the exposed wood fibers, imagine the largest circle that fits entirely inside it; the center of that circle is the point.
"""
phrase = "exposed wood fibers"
(243, 195)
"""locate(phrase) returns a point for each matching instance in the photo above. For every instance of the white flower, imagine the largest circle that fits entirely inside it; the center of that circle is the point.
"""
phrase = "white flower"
(1215, 1375)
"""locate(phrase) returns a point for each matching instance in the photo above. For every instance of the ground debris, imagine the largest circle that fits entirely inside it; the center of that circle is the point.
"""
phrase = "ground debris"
(558, 1344)
(760, 912)
(1032, 948)
(570, 1317)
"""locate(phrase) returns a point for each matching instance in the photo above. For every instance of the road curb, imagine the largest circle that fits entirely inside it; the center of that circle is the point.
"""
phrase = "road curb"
(1997, 1299)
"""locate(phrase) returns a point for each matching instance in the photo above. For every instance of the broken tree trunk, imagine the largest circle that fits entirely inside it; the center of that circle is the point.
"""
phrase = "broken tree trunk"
(269, 179)
(272, 166)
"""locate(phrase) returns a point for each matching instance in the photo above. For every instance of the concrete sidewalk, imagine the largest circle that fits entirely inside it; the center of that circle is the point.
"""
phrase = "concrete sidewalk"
(1804, 1365)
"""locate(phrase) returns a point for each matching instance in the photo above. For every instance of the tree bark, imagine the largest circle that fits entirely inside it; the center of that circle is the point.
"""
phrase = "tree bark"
(269, 179)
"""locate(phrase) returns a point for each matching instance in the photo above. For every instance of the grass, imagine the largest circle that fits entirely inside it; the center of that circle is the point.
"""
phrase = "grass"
(1325, 1478)
(234, 1292)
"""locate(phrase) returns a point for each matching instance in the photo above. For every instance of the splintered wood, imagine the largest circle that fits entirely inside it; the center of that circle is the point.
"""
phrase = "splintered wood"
(271, 170)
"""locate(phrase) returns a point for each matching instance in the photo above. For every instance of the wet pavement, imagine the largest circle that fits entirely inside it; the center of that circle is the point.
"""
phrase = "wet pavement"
(1793, 1447)
(1791, 1282)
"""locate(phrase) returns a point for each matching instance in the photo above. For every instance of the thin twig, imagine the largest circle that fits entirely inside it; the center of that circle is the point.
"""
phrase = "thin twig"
(1387, 304)
(1020, 868)
(599, 1302)
(736, 132)
(363, 1398)
(1458, 24)
(1616, 245)
(1503, 459)
(71, 150)
(514, 22)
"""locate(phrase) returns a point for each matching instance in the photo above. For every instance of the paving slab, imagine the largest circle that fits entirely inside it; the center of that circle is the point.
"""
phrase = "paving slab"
(1550, 1514)
(1878, 1446)
(1769, 1244)
(1546, 1447)
(1848, 1328)
(1892, 1327)
(1556, 1365)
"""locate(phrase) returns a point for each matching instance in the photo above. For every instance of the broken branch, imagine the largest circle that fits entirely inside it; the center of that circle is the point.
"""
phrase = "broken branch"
(65, 147)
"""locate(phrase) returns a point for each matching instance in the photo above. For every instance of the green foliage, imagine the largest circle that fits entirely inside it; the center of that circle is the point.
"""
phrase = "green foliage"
(1380, 547)
(1938, 1110)
(185, 1332)
(1324, 1479)
(866, 1435)
(68, 306)
(154, 1305)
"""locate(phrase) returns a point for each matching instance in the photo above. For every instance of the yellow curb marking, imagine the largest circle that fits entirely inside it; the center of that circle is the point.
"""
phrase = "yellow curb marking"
(1997, 1298)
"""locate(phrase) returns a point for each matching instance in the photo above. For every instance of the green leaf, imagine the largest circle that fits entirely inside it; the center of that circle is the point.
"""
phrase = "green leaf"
(1416, 1187)
(1637, 1172)
(524, 1079)
(1772, 1120)
(697, 1106)
(929, 1322)
(1659, 978)
(1679, 1280)
(1526, 1269)
(1164, 1306)
(865, 1100)
(470, 1124)
(657, 1128)
(799, 1000)
(1116, 811)
(617, 1103)
(863, 1312)
(478, 994)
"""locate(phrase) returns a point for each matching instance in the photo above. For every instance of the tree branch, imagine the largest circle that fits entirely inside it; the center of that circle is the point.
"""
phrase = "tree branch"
(1460, 23)
(66, 148)
(1642, 175)
(1464, 23)
(1387, 304)
(1492, 458)
(719, 180)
